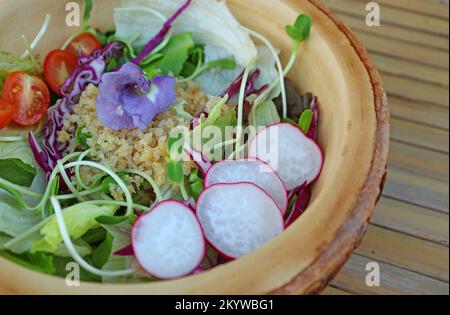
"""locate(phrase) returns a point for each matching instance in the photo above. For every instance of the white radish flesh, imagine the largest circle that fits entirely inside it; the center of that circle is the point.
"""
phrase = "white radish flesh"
(168, 242)
(295, 157)
(237, 219)
(251, 171)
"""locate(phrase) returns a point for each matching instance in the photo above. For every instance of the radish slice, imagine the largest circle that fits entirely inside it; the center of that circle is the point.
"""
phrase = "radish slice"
(168, 242)
(251, 171)
(202, 162)
(295, 157)
(238, 218)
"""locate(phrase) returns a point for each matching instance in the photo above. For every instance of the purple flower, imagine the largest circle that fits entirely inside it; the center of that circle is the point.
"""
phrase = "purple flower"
(128, 100)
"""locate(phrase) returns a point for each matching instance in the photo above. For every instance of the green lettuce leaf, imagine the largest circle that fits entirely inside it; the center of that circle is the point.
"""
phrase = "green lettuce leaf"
(101, 254)
(175, 54)
(17, 172)
(17, 150)
(79, 219)
(41, 262)
(13, 220)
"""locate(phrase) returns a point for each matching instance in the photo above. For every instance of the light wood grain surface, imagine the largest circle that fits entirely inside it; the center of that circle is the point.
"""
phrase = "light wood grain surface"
(409, 233)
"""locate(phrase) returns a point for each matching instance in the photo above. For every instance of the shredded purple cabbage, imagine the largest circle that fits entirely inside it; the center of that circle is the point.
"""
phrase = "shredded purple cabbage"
(313, 132)
(304, 196)
(90, 69)
(155, 41)
(250, 87)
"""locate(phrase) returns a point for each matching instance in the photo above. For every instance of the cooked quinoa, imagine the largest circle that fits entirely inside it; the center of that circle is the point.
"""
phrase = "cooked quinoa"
(144, 150)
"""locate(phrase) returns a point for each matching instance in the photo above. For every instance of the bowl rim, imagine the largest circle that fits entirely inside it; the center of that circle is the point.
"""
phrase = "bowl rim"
(350, 235)
(313, 278)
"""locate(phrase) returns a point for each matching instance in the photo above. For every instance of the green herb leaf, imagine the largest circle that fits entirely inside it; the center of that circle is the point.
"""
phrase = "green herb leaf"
(112, 65)
(301, 29)
(303, 24)
(195, 176)
(294, 33)
(94, 236)
(87, 13)
(81, 137)
(110, 220)
(196, 188)
(101, 254)
(175, 171)
(17, 172)
(108, 181)
(288, 120)
(305, 120)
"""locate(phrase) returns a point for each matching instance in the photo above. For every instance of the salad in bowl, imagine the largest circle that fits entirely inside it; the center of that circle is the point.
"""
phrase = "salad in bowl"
(159, 149)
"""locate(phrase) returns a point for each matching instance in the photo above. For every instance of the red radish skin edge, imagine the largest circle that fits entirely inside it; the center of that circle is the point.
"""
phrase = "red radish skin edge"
(126, 251)
(236, 184)
(322, 155)
(205, 184)
(199, 159)
(201, 229)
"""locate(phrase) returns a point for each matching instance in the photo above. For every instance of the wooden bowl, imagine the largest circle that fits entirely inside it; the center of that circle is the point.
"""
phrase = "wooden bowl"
(354, 133)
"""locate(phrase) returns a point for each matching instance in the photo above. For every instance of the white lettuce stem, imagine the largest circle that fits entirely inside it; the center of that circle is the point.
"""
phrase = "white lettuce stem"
(278, 64)
(241, 100)
(11, 139)
(38, 37)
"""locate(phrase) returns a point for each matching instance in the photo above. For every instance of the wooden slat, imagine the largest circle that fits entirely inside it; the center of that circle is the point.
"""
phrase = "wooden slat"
(393, 280)
(413, 220)
(416, 189)
(407, 252)
(405, 51)
(409, 234)
(358, 24)
(334, 291)
(419, 135)
(418, 6)
(411, 70)
(419, 161)
(393, 16)
(419, 112)
(415, 91)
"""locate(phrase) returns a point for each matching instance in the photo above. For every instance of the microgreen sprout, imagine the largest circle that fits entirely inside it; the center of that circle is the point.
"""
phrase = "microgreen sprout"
(298, 32)
(223, 64)
(305, 121)
(241, 100)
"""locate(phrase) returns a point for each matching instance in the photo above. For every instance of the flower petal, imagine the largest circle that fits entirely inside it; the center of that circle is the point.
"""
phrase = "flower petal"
(140, 108)
(162, 92)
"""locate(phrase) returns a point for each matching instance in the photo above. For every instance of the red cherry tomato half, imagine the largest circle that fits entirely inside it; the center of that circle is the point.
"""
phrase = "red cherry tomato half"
(6, 113)
(28, 95)
(57, 67)
(85, 43)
